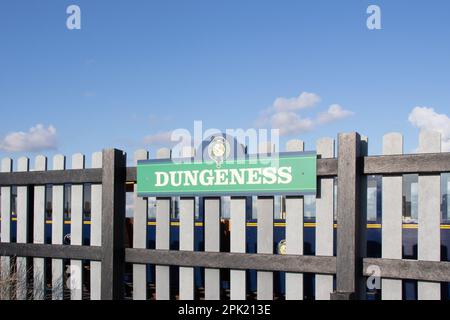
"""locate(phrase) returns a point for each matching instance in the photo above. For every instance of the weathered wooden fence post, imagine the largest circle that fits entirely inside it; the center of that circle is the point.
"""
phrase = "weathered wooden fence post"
(113, 224)
(348, 216)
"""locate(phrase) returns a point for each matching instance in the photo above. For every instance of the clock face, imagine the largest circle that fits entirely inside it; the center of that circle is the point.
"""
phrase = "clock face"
(219, 149)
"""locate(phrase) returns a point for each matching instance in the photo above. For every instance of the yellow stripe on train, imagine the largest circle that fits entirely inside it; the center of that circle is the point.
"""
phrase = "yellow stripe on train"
(276, 224)
(307, 225)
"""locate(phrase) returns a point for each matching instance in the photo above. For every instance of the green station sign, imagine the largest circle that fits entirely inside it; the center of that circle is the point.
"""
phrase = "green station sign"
(286, 174)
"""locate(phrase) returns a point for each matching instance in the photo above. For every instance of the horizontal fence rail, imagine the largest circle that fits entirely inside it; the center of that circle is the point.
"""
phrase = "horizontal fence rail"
(410, 269)
(51, 251)
(404, 164)
(51, 177)
(238, 261)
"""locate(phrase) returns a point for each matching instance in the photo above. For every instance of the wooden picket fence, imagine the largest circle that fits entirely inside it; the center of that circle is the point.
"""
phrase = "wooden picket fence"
(340, 276)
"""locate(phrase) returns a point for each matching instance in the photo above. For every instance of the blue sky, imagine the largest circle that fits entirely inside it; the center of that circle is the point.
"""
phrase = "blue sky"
(140, 68)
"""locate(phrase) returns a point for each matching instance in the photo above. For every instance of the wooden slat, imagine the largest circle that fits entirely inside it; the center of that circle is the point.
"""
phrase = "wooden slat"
(265, 245)
(212, 244)
(265, 211)
(59, 163)
(162, 273)
(325, 220)
(391, 233)
(96, 228)
(429, 237)
(140, 236)
(5, 232)
(187, 207)
(23, 165)
(187, 218)
(162, 243)
(361, 221)
(294, 232)
(76, 231)
(39, 270)
(238, 245)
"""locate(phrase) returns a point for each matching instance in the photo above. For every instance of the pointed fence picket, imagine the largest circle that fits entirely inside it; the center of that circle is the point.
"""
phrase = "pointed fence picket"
(5, 233)
(429, 238)
(23, 165)
(96, 228)
(76, 230)
(265, 218)
(163, 210)
(59, 163)
(140, 236)
(391, 233)
(187, 232)
(325, 220)
(39, 268)
(294, 232)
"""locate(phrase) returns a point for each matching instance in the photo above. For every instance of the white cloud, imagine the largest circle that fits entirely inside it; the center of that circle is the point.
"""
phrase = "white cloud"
(334, 112)
(427, 119)
(304, 100)
(37, 139)
(284, 114)
(291, 123)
